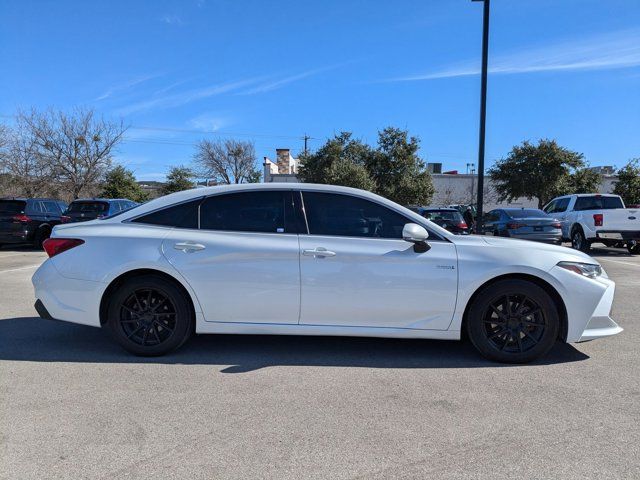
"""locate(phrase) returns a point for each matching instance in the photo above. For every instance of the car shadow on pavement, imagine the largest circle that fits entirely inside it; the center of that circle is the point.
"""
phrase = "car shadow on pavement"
(34, 339)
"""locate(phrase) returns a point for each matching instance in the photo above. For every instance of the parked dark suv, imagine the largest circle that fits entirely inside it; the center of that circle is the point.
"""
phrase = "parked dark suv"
(28, 220)
(85, 209)
(448, 218)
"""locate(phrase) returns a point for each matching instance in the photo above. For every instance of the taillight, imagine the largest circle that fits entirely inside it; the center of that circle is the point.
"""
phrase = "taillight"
(556, 225)
(515, 226)
(65, 219)
(462, 225)
(21, 218)
(54, 246)
(598, 219)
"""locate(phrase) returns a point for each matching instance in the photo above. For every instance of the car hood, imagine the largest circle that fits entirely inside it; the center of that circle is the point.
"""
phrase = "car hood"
(519, 247)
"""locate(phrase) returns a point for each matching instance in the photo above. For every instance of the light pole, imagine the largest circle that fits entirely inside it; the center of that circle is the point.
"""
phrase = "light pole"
(483, 110)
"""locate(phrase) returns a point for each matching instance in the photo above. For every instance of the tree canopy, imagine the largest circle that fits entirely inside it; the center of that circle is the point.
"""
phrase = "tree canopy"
(120, 183)
(226, 161)
(628, 184)
(178, 179)
(542, 171)
(392, 169)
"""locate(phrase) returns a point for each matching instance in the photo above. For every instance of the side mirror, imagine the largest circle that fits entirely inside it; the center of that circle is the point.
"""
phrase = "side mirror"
(414, 233)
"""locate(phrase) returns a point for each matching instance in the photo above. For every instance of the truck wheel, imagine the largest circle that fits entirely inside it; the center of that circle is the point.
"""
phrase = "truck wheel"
(579, 242)
(634, 249)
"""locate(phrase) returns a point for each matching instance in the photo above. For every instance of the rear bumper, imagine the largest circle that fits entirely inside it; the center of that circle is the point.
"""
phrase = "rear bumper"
(618, 235)
(17, 236)
(66, 299)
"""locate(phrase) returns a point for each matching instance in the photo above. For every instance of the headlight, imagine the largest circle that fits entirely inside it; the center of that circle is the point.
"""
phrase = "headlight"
(585, 269)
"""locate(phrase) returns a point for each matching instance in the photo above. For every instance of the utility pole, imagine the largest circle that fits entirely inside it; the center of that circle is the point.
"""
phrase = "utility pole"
(306, 138)
(483, 110)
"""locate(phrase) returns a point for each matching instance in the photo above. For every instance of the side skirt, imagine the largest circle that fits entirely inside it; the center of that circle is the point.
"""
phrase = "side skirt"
(322, 330)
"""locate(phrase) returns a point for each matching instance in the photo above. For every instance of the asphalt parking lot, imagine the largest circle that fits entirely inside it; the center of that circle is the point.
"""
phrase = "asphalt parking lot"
(73, 405)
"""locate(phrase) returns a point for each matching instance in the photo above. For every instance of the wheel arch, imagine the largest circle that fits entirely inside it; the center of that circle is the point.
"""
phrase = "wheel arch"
(120, 279)
(550, 289)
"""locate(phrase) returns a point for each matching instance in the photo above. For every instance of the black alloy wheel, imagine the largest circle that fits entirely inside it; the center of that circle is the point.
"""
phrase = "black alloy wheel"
(513, 321)
(150, 315)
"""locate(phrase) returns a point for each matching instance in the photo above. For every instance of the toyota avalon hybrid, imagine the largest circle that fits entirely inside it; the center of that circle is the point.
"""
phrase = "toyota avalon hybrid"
(314, 260)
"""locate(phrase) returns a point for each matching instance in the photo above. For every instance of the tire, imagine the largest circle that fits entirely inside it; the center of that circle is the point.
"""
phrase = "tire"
(513, 321)
(579, 241)
(41, 235)
(634, 250)
(149, 315)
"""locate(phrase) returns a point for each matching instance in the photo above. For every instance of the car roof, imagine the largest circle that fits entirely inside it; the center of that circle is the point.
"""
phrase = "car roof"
(196, 193)
(440, 209)
(25, 199)
(518, 209)
(108, 200)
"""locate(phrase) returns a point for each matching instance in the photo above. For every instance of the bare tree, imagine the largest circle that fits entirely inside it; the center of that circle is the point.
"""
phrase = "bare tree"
(226, 161)
(26, 171)
(76, 146)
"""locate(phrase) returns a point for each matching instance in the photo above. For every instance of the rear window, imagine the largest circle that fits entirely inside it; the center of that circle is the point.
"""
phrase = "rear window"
(437, 215)
(598, 203)
(88, 207)
(183, 215)
(526, 213)
(11, 207)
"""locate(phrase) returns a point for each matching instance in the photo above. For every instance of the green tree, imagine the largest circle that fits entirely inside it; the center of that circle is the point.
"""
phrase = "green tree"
(120, 183)
(540, 171)
(398, 171)
(178, 179)
(628, 184)
(583, 180)
(392, 170)
(340, 161)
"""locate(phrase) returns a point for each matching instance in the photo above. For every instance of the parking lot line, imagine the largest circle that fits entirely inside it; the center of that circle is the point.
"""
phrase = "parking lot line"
(620, 262)
(20, 268)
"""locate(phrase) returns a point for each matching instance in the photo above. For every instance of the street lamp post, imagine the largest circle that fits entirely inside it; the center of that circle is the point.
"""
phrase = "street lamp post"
(483, 110)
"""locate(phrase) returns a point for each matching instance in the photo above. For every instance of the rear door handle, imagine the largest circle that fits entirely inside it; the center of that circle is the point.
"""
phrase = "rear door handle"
(188, 247)
(319, 252)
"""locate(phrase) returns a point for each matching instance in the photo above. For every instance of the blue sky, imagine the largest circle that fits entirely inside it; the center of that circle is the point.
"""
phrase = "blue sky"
(271, 71)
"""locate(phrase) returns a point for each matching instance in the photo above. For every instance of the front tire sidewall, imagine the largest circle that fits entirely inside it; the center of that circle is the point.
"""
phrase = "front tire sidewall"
(475, 320)
(579, 242)
(184, 315)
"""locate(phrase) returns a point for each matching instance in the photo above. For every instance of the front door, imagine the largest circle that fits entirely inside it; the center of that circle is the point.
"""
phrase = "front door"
(357, 271)
(243, 261)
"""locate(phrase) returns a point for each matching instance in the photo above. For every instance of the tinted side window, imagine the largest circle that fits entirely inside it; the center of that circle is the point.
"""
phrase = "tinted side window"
(551, 207)
(248, 212)
(344, 215)
(183, 215)
(597, 203)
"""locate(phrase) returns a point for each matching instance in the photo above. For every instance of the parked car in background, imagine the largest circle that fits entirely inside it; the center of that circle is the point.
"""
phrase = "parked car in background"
(591, 218)
(448, 218)
(28, 220)
(523, 223)
(304, 259)
(85, 209)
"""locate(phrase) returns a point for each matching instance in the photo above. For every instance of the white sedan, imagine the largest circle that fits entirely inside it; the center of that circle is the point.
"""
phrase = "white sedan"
(301, 259)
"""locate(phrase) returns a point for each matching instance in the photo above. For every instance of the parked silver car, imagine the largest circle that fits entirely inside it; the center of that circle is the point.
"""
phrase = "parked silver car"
(523, 223)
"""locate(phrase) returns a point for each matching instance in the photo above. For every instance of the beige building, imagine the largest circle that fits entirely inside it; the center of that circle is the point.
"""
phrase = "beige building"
(284, 169)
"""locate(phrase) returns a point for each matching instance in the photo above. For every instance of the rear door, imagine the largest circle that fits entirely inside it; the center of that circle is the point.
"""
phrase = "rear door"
(243, 261)
(357, 271)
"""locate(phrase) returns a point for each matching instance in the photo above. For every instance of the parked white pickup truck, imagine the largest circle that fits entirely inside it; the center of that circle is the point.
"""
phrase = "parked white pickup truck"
(591, 218)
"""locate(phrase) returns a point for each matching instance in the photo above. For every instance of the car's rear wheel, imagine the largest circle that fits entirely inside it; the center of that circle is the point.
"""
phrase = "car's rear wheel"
(149, 315)
(634, 249)
(41, 235)
(579, 241)
(513, 321)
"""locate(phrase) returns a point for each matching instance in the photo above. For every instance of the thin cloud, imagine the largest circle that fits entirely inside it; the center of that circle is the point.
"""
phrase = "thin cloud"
(121, 87)
(603, 52)
(183, 98)
(276, 84)
(208, 122)
(172, 20)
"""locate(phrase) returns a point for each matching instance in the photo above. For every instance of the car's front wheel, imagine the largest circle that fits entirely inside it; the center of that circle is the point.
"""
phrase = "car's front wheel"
(579, 241)
(513, 321)
(149, 315)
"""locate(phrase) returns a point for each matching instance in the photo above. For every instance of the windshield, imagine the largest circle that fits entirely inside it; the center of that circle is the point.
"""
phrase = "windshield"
(598, 203)
(88, 207)
(11, 207)
(526, 213)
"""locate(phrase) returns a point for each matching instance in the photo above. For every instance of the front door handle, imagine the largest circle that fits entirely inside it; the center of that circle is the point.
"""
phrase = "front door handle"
(189, 247)
(319, 252)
